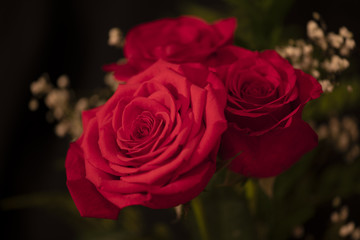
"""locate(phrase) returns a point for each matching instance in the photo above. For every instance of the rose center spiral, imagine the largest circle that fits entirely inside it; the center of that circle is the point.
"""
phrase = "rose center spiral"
(257, 89)
(142, 125)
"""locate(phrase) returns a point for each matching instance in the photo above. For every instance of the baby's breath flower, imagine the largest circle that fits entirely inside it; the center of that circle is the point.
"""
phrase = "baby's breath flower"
(343, 31)
(336, 64)
(326, 85)
(57, 97)
(41, 86)
(63, 81)
(62, 128)
(316, 16)
(115, 38)
(33, 104)
(356, 234)
(314, 31)
(81, 104)
(335, 40)
(334, 217)
(347, 229)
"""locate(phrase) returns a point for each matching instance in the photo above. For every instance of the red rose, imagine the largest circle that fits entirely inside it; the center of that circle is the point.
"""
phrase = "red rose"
(176, 40)
(266, 96)
(153, 143)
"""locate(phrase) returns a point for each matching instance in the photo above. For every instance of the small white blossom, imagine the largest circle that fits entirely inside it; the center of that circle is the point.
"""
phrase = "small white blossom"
(81, 104)
(315, 73)
(40, 86)
(350, 43)
(335, 218)
(343, 31)
(335, 40)
(326, 85)
(308, 49)
(62, 128)
(356, 234)
(58, 113)
(336, 64)
(344, 213)
(63, 81)
(57, 97)
(347, 229)
(115, 37)
(316, 16)
(314, 31)
(33, 104)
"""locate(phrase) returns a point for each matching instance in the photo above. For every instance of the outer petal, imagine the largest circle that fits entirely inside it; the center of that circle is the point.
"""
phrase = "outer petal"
(87, 199)
(226, 28)
(269, 154)
(122, 72)
(309, 87)
(184, 188)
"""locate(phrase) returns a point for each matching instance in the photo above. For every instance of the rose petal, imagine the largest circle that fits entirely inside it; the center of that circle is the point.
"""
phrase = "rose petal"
(91, 149)
(309, 88)
(226, 28)
(269, 154)
(86, 197)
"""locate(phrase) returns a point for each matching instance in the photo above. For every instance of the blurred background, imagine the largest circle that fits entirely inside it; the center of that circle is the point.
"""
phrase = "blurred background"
(70, 37)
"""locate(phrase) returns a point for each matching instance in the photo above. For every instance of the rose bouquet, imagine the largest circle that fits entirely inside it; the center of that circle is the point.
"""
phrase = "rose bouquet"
(188, 111)
(155, 141)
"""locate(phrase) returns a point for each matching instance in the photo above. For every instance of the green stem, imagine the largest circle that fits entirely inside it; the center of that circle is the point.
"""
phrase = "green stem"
(197, 207)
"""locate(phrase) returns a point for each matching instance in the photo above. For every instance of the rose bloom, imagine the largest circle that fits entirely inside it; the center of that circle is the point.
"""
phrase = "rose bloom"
(266, 96)
(153, 143)
(176, 40)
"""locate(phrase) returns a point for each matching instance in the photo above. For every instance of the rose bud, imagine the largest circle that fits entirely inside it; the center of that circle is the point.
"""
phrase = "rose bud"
(176, 40)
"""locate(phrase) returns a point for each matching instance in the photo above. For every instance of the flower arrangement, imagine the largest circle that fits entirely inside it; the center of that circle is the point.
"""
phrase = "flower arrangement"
(187, 111)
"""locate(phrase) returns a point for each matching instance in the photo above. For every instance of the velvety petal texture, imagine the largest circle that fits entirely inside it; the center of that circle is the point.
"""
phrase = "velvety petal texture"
(265, 99)
(153, 143)
(88, 200)
(176, 40)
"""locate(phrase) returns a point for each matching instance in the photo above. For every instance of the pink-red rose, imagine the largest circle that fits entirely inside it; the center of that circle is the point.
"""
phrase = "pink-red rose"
(266, 96)
(153, 143)
(176, 40)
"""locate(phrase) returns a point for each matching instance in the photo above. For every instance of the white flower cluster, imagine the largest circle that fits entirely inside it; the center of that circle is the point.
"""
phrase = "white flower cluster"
(116, 39)
(57, 99)
(347, 230)
(300, 55)
(334, 48)
(344, 135)
(335, 64)
(62, 107)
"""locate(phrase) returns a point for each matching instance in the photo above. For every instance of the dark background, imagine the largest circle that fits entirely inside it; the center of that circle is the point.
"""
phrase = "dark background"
(70, 37)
